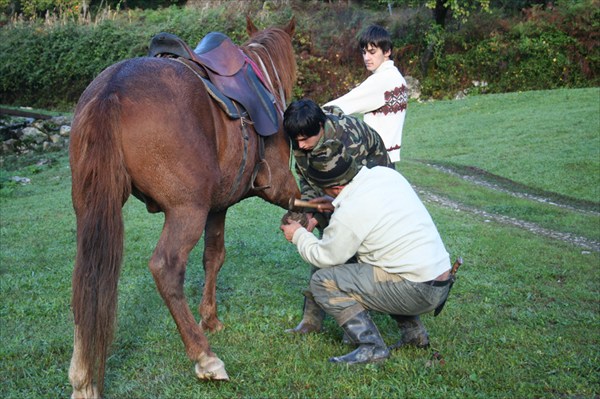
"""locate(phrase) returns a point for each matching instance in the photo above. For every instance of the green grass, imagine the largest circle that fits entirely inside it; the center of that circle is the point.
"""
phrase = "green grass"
(548, 140)
(578, 220)
(522, 321)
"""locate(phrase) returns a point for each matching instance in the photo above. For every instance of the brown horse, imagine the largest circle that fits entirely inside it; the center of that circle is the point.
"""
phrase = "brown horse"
(147, 127)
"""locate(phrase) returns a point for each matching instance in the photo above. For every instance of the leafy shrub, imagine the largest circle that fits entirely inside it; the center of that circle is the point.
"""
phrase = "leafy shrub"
(50, 64)
(530, 56)
(545, 50)
(53, 66)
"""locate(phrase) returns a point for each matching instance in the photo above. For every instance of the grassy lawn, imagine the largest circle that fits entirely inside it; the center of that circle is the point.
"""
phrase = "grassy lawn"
(545, 140)
(522, 320)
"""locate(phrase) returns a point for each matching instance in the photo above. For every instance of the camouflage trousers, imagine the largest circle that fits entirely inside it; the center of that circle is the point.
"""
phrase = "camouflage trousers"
(345, 290)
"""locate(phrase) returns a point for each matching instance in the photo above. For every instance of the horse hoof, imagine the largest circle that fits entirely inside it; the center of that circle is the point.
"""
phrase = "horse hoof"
(211, 368)
(89, 392)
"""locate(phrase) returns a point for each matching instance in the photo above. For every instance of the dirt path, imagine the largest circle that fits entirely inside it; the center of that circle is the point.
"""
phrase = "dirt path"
(582, 242)
(518, 191)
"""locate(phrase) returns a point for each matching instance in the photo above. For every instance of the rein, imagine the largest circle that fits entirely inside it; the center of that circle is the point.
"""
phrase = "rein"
(280, 106)
(282, 99)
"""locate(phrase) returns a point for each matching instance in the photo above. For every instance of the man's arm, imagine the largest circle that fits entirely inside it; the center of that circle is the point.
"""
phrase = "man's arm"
(337, 245)
(366, 97)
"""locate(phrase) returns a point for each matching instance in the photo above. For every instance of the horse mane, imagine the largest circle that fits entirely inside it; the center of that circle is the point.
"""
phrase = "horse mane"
(271, 49)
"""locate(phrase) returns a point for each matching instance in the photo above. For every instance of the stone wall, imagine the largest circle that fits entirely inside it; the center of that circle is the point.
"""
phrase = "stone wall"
(21, 135)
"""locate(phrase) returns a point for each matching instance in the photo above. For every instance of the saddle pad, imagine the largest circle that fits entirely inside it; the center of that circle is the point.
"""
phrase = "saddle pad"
(224, 102)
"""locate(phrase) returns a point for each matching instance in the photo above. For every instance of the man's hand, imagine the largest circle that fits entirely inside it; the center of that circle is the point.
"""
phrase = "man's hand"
(289, 225)
(289, 229)
(324, 204)
(312, 222)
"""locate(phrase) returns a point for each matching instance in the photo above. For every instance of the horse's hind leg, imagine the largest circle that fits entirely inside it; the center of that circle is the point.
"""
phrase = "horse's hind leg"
(182, 230)
(214, 256)
(83, 388)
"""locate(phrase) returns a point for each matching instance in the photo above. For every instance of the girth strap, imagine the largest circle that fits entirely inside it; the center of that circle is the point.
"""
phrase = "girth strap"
(257, 167)
(261, 162)
(238, 178)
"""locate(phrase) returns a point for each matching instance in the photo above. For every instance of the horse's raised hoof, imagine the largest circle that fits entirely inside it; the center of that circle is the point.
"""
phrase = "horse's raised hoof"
(211, 368)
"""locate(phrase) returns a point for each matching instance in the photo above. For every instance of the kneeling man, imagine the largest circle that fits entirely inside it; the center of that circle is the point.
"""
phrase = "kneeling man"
(402, 266)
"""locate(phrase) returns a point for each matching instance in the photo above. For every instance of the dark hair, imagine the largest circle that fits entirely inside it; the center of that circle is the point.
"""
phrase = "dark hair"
(376, 36)
(303, 118)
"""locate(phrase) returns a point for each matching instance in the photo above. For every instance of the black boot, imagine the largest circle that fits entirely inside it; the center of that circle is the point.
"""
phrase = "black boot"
(312, 319)
(362, 331)
(412, 332)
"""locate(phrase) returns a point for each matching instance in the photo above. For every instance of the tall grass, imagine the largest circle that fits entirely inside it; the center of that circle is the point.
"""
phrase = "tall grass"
(522, 320)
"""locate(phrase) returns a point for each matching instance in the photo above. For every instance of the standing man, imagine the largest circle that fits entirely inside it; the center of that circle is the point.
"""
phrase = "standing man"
(402, 267)
(383, 96)
(309, 127)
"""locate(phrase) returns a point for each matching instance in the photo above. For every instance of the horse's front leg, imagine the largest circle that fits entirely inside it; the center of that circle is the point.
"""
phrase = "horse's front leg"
(214, 256)
(181, 232)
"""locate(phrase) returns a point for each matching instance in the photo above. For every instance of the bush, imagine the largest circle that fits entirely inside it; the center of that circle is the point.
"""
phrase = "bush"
(49, 64)
(533, 55)
(547, 49)
(53, 66)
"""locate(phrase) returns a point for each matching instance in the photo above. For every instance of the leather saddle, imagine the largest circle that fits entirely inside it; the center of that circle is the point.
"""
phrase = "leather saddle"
(228, 75)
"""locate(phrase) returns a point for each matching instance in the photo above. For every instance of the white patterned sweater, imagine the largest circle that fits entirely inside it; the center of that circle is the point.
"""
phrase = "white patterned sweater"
(382, 98)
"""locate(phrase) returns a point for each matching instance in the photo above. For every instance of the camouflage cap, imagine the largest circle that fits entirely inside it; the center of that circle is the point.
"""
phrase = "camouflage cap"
(330, 165)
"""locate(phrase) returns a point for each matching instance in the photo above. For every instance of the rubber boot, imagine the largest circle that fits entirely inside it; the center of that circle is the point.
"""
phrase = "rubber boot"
(346, 340)
(371, 347)
(312, 319)
(412, 332)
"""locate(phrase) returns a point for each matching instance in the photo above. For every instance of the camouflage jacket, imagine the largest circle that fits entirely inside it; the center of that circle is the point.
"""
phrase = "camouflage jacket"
(362, 142)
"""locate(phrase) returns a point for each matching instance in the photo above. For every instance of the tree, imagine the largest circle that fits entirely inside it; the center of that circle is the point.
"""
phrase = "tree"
(434, 39)
(460, 9)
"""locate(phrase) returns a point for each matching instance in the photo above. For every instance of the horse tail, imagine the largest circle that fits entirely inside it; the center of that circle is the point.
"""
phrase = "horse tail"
(100, 187)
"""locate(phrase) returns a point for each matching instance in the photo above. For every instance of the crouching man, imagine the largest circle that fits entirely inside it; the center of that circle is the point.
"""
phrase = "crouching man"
(402, 269)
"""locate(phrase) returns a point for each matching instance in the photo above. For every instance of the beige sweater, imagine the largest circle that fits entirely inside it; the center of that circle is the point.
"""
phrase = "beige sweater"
(378, 217)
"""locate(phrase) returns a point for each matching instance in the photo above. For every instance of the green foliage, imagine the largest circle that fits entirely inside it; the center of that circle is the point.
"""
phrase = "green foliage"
(52, 68)
(544, 51)
(461, 9)
(49, 64)
(444, 78)
(70, 9)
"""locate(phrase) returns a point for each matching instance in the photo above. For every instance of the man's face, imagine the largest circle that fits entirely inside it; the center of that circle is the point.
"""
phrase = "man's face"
(308, 143)
(373, 57)
(333, 192)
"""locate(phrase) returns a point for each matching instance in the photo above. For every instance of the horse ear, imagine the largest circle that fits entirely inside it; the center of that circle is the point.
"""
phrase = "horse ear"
(291, 26)
(250, 27)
